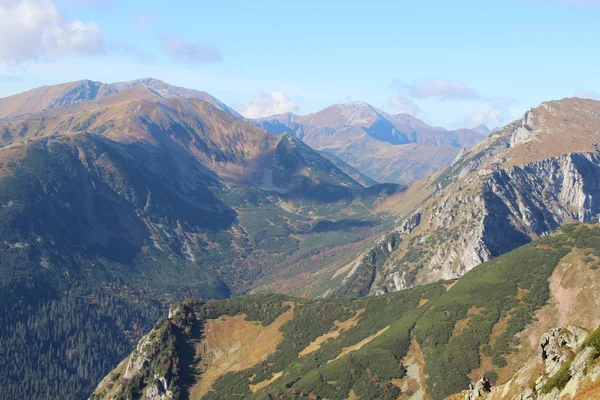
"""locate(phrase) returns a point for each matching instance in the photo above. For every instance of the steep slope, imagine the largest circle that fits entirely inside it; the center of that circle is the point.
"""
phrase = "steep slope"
(521, 183)
(430, 341)
(349, 170)
(389, 148)
(111, 209)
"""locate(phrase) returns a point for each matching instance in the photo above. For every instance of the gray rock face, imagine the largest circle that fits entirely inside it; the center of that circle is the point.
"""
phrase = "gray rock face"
(158, 390)
(492, 200)
(558, 344)
(513, 205)
(481, 389)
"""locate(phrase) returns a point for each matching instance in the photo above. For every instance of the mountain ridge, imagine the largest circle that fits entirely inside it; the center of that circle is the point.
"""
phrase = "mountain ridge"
(431, 341)
(398, 148)
(521, 183)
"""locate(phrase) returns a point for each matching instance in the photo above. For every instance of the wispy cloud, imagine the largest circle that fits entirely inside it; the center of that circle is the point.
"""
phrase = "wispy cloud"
(132, 51)
(488, 110)
(189, 52)
(36, 30)
(267, 104)
(405, 105)
(441, 89)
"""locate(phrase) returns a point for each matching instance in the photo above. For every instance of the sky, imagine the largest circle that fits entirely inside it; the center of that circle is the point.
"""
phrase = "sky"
(451, 63)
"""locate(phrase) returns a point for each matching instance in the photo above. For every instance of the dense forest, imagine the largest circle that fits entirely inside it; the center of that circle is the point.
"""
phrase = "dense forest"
(59, 348)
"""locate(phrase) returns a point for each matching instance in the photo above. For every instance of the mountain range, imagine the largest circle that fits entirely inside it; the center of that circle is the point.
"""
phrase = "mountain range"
(139, 196)
(388, 148)
(118, 200)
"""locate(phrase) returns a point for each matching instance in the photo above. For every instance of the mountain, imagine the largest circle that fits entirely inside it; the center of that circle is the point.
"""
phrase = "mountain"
(482, 129)
(388, 148)
(47, 97)
(349, 170)
(113, 208)
(521, 323)
(521, 183)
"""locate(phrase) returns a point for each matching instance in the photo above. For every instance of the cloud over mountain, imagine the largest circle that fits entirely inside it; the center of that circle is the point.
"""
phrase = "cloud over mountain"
(266, 104)
(402, 104)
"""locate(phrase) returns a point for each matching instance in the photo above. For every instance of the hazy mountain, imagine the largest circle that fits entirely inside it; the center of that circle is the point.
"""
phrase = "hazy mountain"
(521, 325)
(388, 148)
(482, 129)
(349, 170)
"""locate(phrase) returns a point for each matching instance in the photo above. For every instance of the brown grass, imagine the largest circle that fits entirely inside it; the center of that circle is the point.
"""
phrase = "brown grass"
(265, 383)
(233, 344)
(360, 344)
(332, 334)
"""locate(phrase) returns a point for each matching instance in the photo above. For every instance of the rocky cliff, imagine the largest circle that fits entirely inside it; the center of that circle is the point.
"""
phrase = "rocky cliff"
(521, 183)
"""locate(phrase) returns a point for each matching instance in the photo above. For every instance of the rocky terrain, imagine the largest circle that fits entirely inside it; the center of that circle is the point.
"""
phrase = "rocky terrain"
(521, 183)
(388, 148)
(522, 326)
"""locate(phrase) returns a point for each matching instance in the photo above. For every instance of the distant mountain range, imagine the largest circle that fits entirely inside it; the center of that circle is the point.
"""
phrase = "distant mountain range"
(48, 97)
(388, 148)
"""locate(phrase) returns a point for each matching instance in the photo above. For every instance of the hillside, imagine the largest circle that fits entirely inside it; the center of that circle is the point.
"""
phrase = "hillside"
(112, 209)
(388, 148)
(430, 341)
(49, 97)
(522, 182)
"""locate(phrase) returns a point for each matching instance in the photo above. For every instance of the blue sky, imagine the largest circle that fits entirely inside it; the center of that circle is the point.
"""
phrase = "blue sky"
(452, 63)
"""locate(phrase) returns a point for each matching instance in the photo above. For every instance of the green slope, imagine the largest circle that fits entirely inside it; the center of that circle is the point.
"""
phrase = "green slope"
(510, 288)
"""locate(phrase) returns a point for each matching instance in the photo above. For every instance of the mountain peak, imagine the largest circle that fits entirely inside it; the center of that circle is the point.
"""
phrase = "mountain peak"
(482, 129)
(354, 113)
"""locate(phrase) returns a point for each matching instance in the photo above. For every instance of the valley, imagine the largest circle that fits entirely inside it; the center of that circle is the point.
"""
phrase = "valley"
(308, 277)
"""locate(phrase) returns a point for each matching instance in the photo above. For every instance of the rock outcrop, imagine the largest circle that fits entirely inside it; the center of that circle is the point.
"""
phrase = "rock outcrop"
(481, 389)
(519, 184)
(566, 367)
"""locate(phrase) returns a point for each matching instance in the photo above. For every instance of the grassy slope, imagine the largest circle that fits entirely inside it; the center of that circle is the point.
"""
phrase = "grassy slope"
(366, 358)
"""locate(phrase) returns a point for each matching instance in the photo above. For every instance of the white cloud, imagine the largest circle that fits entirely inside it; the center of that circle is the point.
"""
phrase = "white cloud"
(267, 104)
(492, 112)
(490, 118)
(441, 89)
(587, 94)
(189, 52)
(35, 30)
(404, 105)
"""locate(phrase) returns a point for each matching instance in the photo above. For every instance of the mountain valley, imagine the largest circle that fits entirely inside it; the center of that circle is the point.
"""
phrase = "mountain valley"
(309, 278)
